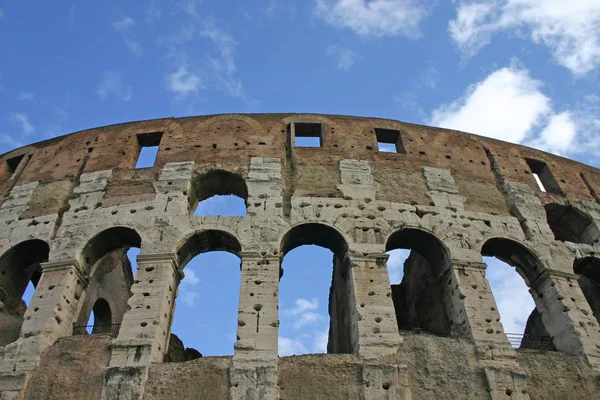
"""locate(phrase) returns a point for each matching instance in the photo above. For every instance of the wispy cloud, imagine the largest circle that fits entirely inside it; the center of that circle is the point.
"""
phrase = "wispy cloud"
(343, 57)
(191, 278)
(571, 30)
(25, 96)
(153, 14)
(2, 14)
(113, 84)
(395, 265)
(124, 27)
(288, 347)
(183, 82)
(375, 17)
(188, 298)
(22, 121)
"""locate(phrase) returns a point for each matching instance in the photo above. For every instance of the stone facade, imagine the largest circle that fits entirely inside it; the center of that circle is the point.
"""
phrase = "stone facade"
(70, 206)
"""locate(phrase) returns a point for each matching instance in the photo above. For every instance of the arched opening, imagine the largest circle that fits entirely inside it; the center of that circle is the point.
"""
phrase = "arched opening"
(219, 192)
(20, 272)
(205, 320)
(511, 268)
(101, 317)
(570, 224)
(109, 260)
(316, 300)
(588, 269)
(419, 259)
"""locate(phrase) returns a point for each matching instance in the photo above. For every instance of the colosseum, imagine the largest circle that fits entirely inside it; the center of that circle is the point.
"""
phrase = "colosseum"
(73, 205)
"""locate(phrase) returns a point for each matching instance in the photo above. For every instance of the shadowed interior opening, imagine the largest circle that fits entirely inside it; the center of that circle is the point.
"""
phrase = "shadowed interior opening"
(420, 298)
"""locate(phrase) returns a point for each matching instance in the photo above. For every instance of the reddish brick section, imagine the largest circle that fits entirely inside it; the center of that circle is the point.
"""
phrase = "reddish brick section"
(478, 164)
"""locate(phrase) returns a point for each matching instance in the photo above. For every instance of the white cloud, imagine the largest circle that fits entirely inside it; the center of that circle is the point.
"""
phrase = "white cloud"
(22, 120)
(124, 27)
(320, 342)
(558, 136)
(183, 81)
(24, 96)
(506, 105)
(509, 105)
(395, 265)
(375, 17)
(308, 318)
(302, 306)
(114, 84)
(288, 347)
(570, 29)
(344, 57)
(188, 298)
(511, 294)
(191, 278)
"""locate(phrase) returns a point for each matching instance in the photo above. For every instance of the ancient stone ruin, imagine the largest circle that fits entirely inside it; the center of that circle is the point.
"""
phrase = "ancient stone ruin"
(71, 206)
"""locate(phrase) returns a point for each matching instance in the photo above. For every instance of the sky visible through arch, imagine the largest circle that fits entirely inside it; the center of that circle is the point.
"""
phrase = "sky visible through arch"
(525, 72)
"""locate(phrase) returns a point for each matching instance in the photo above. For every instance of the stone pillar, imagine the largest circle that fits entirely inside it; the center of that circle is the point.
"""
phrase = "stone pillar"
(50, 315)
(254, 368)
(472, 308)
(378, 334)
(567, 315)
(474, 314)
(145, 331)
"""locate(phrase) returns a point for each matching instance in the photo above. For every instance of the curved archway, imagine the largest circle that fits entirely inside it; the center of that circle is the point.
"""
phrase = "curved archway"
(211, 263)
(19, 270)
(219, 192)
(101, 317)
(507, 259)
(588, 269)
(314, 276)
(570, 224)
(106, 260)
(418, 259)
(107, 241)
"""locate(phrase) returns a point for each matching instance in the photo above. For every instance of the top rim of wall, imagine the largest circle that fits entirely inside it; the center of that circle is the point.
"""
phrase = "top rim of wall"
(282, 115)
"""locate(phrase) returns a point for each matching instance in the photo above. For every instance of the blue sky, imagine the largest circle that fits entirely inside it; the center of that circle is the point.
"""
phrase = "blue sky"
(524, 71)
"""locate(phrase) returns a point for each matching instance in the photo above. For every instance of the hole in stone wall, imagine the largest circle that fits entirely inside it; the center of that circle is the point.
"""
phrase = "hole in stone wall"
(148, 149)
(307, 134)
(417, 261)
(571, 224)
(543, 176)
(588, 269)
(13, 163)
(101, 317)
(303, 301)
(389, 141)
(206, 317)
(315, 297)
(219, 192)
(20, 272)
(510, 268)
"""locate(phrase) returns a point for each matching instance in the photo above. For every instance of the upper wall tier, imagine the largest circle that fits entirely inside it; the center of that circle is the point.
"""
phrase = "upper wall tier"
(478, 165)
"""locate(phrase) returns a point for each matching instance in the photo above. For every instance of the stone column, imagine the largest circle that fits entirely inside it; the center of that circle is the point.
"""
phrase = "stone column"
(375, 314)
(146, 327)
(254, 368)
(567, 315)
(50, 315)
(474, 314)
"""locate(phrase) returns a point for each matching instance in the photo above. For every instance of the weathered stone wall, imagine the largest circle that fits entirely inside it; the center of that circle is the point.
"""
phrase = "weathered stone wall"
(451, 197)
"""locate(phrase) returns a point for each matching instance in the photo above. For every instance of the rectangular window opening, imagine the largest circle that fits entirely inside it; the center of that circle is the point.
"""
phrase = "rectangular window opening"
(307, 135)
(13, 163)
(149, 143)
(389, 141)
(543, 176)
